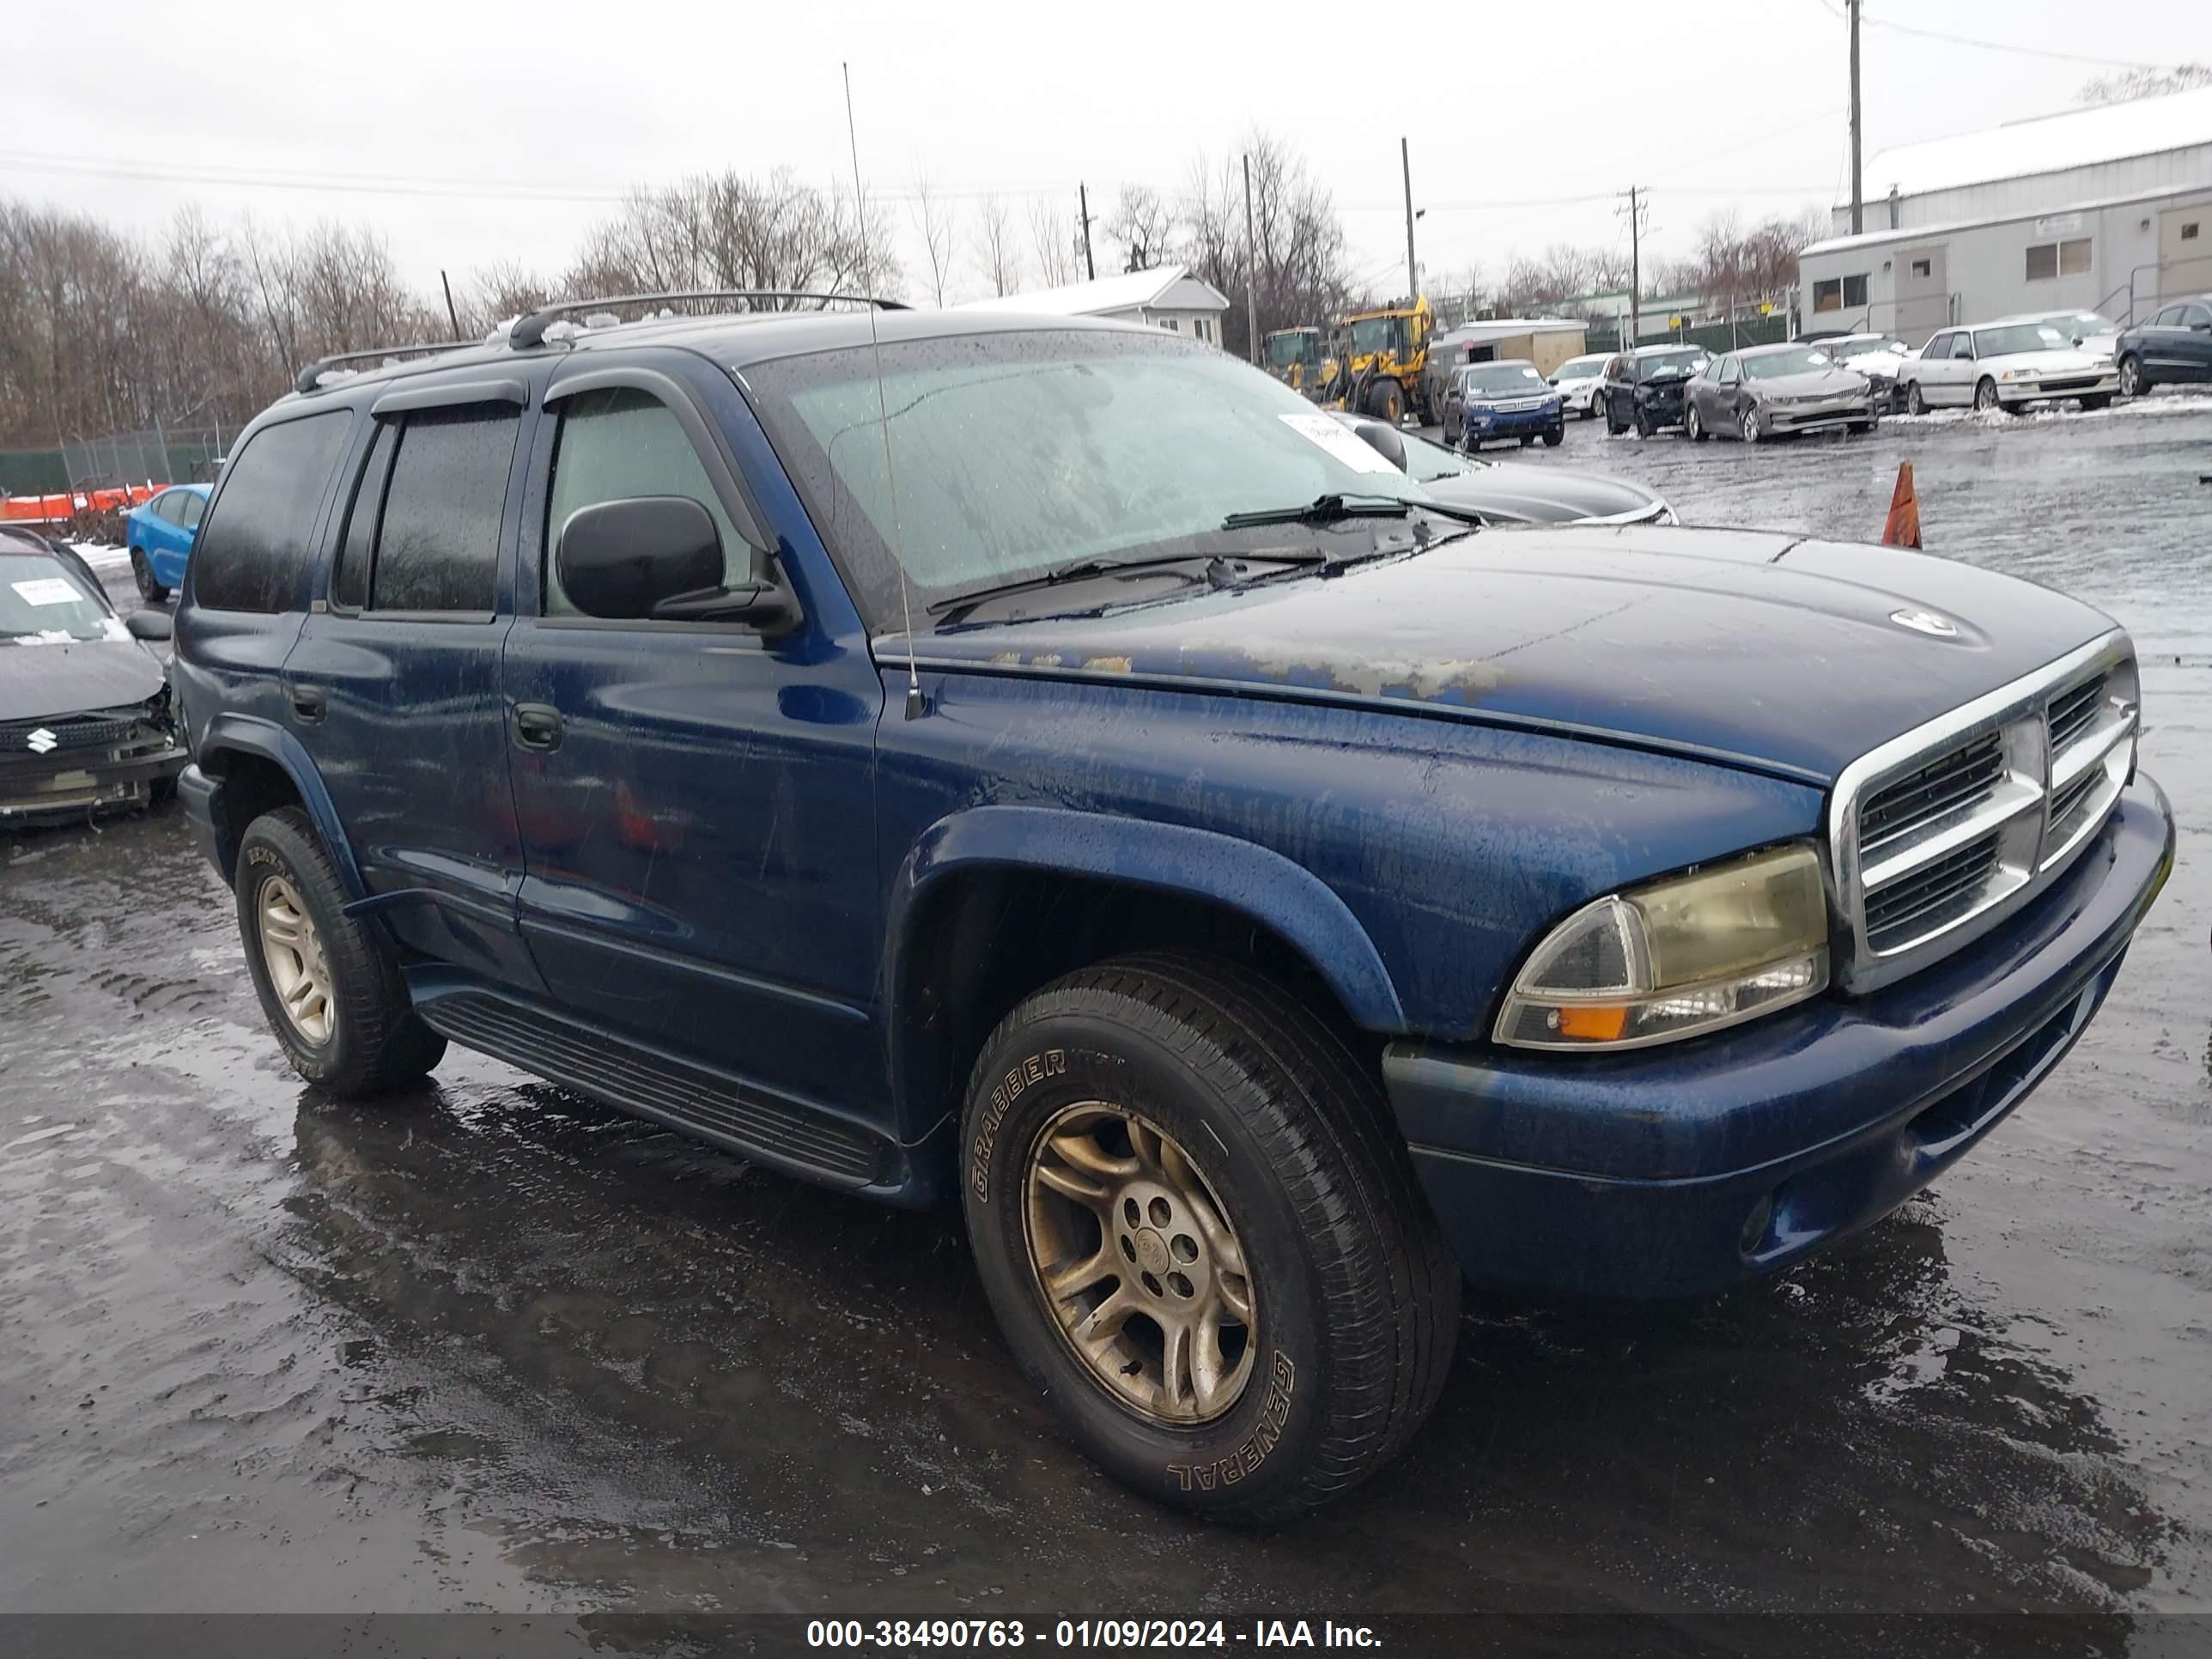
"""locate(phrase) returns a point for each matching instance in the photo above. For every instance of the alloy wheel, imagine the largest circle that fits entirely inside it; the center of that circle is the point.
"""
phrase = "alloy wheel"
(292, 950)
(1690, 422)
(142, 573)
(1985, 396)
(2130, 378)
(1914, 403)
(1751, 434)
(1140, 1265)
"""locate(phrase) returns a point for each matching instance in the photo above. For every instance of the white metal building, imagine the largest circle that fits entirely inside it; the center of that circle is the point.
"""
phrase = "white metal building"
(2105, 209)
(1167, 297)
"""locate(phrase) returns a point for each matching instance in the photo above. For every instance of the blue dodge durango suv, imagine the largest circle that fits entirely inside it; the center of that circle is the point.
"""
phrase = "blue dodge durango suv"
(1049, 765)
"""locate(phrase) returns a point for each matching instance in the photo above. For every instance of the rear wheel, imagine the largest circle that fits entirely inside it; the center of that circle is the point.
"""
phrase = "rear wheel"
(1914, 402)
(1555, 437)
(1693, 425)
(1388, 401)
(330, 987)
(142, 573)
(1202, 1237)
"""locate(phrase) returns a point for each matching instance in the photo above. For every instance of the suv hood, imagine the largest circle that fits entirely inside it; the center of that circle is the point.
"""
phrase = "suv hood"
(1732, 645)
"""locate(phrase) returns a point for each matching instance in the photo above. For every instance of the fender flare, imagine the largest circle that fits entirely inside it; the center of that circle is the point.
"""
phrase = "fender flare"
(1254, 881)
(251, 735)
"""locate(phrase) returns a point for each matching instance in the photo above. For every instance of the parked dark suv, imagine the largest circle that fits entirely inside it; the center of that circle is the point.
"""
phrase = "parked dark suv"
(1048, 761)
(1645, 388)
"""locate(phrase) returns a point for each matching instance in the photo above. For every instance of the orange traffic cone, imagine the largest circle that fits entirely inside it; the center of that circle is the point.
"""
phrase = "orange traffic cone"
(1902, 528)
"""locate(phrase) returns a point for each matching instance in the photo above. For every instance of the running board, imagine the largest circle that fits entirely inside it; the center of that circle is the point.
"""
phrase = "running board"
(738, 1116)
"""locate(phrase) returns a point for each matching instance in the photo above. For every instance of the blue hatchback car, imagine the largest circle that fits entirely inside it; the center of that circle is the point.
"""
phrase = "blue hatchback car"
(1151, 820)
(160, 531)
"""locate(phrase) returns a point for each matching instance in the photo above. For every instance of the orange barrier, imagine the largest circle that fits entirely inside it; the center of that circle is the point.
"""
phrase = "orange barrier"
(1902, 528)
(59, 509)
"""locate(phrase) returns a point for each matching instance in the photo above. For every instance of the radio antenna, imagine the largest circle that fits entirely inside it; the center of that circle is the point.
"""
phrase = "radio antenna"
(916, 704)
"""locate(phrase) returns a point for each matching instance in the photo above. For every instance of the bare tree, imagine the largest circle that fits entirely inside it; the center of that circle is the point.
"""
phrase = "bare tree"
(496, 293)
(2136, 83)
(1142, 225)
(1296, 268)
(1055, 242)
(997, 257)
(934, 218)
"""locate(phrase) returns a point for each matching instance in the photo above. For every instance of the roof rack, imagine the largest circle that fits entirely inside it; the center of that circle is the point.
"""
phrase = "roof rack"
(310, 378)
(530, 331)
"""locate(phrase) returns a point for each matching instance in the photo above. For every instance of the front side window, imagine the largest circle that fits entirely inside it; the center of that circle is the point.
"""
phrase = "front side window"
(1017, 452)
(1962, 345)
(423, 532)
(255, 546)
(618, 443)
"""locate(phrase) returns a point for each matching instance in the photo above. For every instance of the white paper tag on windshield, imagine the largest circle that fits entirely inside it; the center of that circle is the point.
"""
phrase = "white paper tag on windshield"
(1340, 440)
(52, 590)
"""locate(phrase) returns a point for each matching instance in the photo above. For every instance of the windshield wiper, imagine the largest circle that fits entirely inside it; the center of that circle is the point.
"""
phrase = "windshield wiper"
(1085, 569)
(1336, 507)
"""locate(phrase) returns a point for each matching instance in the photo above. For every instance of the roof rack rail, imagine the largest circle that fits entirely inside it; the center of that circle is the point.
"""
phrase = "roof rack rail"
(530, 331)
(310, 378)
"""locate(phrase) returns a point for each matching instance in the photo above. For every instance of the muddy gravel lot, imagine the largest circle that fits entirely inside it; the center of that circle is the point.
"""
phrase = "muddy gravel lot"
(492, 1347)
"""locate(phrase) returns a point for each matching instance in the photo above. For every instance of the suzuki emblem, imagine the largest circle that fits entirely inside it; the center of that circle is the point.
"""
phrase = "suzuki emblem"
(1926, 622)
(42, 742)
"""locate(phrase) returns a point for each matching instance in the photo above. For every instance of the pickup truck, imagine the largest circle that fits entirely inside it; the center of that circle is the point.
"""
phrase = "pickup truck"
(1048, 766)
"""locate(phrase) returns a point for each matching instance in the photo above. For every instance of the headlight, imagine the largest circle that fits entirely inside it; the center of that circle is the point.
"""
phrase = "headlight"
(1676, 957)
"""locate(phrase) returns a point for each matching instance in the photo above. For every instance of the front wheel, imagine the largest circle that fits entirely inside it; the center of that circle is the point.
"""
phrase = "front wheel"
(1554, 436)
(142, 573)
(1986, 396)
(2133, 381)
(329, 987)
(1202, 1238)
(1388, 401)
(1645, 427)
(2097, 401)
(1528, 438)
(1753, 431)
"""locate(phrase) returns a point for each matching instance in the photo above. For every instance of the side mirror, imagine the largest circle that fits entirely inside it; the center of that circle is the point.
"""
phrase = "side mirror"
(657, 558)
(149, 625)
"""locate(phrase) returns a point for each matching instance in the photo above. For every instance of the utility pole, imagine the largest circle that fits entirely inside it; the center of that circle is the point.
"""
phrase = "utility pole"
(1858, 200)
(1251, 272)
(1636, 205)
(1413, 274)
(1083, 212)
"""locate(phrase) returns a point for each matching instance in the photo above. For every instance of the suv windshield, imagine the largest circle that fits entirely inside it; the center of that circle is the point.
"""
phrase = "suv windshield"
(1805, 360)
(43, 601)
(1019, 453)
(1510, 377)
(1688, 360)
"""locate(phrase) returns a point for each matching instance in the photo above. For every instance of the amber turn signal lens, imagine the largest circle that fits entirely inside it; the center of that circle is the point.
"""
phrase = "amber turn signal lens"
(1594, 1025)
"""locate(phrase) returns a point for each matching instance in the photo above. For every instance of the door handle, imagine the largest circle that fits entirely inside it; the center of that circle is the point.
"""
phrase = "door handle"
(537, 725)
(309, 704)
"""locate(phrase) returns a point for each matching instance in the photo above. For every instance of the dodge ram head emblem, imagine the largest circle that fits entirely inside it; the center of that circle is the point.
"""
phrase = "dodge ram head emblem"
(42, 742)
(1926, 622)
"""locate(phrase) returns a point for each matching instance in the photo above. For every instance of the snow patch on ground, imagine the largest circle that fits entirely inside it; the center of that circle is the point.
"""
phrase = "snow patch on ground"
(2157, 403)
(101, 556)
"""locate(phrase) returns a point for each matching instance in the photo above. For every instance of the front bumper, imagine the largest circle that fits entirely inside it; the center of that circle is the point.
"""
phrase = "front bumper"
(1812, 416)
(2105, 385)
(1676, 1170)
(1484, 426)
(77, 784)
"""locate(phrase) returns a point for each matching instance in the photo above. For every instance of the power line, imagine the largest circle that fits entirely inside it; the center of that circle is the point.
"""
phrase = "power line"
(1872, 21)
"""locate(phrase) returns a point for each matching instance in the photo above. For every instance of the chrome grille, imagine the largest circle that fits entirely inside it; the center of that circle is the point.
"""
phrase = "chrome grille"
(1951, 779)
(1923, 902)
(1942, 833)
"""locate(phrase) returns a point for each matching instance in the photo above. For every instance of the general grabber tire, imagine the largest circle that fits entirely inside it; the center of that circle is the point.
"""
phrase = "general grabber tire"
(1168, 1144)
(329, 985)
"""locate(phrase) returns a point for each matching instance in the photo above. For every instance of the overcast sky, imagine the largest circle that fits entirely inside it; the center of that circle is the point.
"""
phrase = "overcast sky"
(468, 133)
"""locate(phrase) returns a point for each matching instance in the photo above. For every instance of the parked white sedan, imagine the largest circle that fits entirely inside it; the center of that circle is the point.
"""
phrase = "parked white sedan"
(2006, 366)
(1577, 380)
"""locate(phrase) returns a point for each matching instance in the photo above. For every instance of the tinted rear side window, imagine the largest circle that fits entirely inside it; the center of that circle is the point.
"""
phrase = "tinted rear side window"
(349, 586)
(437, 546)
(254, 546)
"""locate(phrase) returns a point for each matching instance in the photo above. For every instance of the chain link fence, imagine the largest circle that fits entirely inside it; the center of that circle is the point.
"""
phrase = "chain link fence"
(155, 455)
